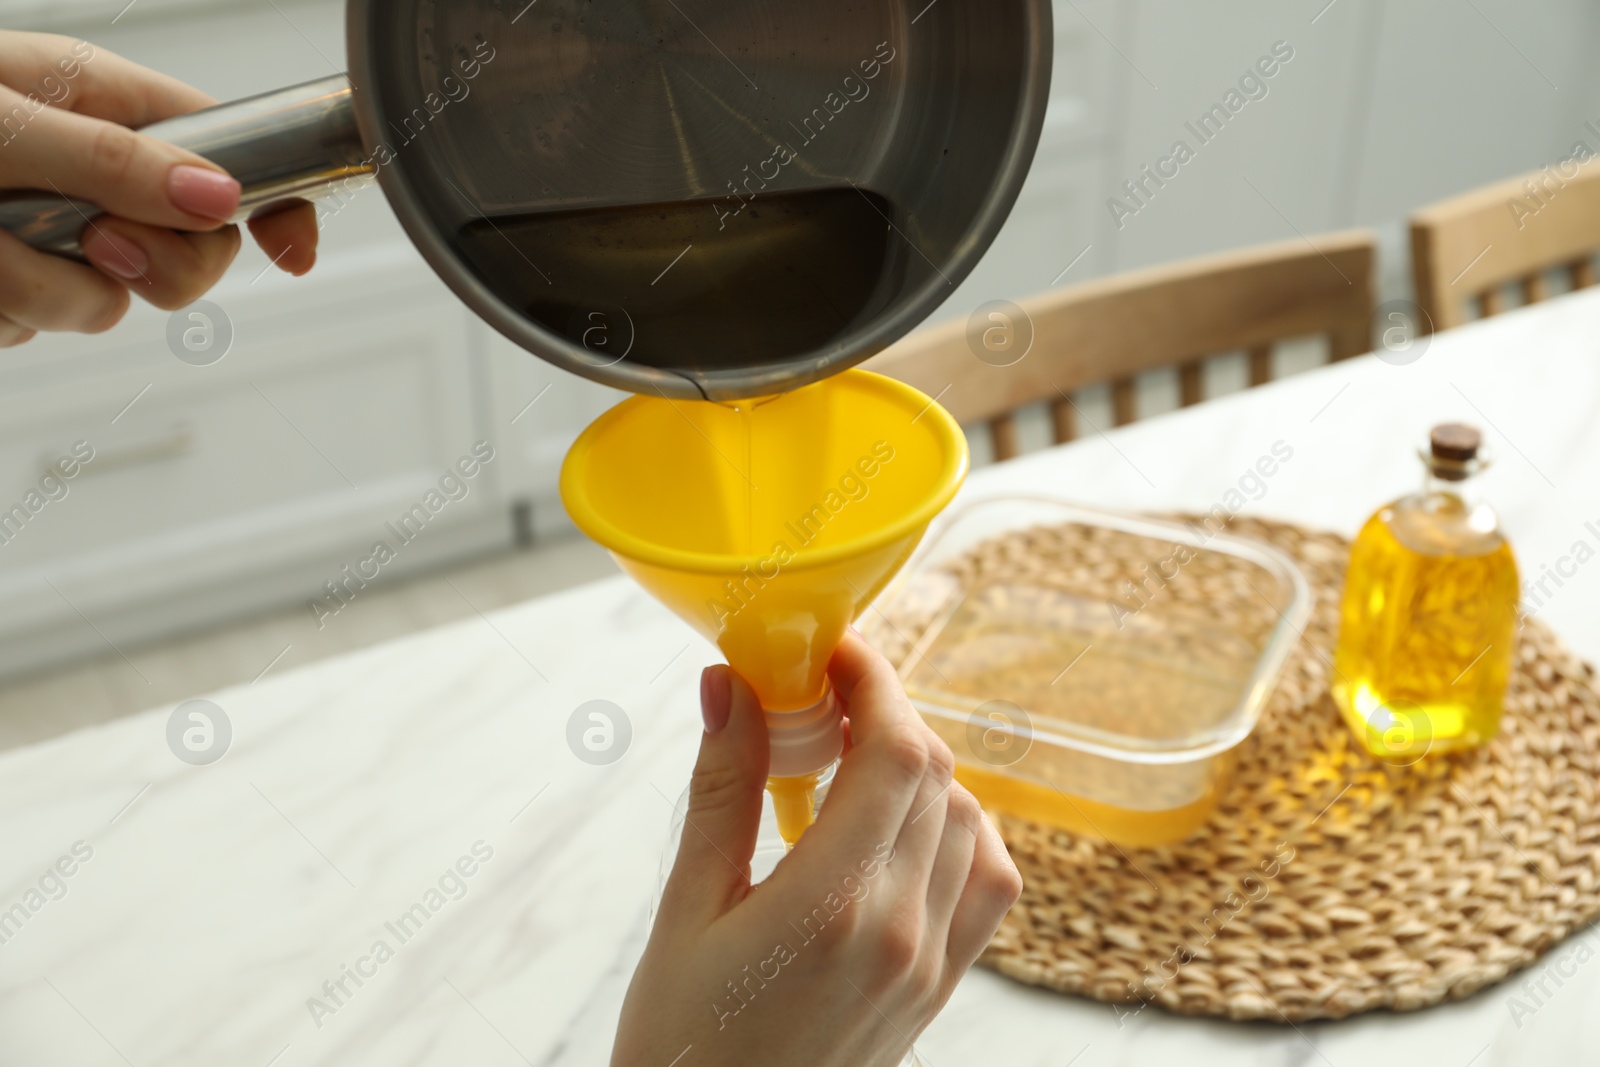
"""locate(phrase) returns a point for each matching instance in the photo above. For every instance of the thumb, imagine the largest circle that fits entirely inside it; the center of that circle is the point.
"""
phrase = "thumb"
(712, 871)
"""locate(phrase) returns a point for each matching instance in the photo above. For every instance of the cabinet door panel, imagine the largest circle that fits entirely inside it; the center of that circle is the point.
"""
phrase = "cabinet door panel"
(1079, 82)
(539, 410)
(325, 421)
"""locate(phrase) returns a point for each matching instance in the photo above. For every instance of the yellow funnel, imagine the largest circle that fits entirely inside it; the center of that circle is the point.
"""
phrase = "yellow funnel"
(770, 525)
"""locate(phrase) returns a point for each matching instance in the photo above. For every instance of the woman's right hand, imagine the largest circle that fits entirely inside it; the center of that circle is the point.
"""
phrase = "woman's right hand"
(859, 937)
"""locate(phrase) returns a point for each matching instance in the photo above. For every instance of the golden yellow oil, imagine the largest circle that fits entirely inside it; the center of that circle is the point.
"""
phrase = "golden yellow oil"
(1427, 628)
(794, 798)
(794, 802)
(1001, 791)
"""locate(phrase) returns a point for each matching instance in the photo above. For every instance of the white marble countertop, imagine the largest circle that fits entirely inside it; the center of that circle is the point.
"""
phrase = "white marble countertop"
(215, 901)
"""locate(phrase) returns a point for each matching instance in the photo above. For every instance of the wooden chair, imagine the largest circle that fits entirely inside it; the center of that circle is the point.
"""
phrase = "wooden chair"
(1176, 315)
(1466, 250)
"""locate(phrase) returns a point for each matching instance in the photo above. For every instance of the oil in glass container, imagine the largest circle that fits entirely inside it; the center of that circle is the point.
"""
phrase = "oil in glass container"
(1428, 622)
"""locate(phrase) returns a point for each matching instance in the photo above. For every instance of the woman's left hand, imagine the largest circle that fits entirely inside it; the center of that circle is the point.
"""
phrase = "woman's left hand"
(68, 115)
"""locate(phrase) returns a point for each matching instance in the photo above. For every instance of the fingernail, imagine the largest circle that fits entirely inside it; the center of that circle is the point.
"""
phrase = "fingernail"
(115, 254)
(716, 698)
(209, 194)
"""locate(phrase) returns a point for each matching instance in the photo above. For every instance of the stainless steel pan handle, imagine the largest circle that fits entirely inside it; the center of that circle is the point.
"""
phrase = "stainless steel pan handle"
(298, 142)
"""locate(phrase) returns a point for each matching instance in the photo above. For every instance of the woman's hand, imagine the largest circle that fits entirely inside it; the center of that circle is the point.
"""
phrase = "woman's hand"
(858, 938)
(66, 112)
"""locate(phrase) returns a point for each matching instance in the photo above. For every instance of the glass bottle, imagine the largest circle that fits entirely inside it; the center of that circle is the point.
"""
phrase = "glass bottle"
(1428, 622)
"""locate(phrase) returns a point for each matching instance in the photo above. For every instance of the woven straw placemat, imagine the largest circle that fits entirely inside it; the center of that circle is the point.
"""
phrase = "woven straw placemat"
(1328, 883)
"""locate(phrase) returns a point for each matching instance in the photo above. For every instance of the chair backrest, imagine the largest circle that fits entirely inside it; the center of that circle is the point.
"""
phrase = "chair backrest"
(1175, 315)
(1466, 250)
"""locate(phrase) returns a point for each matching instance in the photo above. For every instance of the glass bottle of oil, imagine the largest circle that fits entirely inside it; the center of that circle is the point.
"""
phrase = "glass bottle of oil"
(1428, 622)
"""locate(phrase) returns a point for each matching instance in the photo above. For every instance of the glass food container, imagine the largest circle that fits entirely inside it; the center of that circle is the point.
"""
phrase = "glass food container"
(1089, 670)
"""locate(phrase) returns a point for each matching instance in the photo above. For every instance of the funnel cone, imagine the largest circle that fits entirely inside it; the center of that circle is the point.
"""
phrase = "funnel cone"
(770, 525)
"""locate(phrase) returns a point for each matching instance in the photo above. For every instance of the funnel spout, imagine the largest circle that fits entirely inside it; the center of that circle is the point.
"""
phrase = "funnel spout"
(805, 741)
(801, 746)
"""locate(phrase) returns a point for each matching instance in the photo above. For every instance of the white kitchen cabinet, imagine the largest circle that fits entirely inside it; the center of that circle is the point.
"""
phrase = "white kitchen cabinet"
(1053, 223)
(1468, 94)
(1256, 174)
(1384, 107)
(344, 399)
(228, 48)
(1078, 116)
(539, 410)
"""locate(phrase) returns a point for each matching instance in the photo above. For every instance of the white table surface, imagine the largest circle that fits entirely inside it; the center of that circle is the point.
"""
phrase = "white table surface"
(218, 899)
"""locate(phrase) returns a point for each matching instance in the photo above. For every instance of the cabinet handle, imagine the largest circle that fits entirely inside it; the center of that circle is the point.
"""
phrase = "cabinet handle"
(177, 442)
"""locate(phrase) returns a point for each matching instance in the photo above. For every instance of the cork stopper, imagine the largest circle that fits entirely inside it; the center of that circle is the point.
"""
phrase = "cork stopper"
(1455, 441)
(1454, 447)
